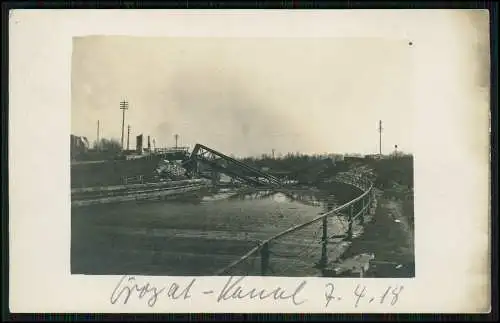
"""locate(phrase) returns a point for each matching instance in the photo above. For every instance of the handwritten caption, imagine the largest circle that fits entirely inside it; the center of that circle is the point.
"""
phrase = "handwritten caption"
(131, 288)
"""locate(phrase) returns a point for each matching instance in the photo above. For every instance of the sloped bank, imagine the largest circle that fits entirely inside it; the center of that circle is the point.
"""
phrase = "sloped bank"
(388, 236)
(143, 192)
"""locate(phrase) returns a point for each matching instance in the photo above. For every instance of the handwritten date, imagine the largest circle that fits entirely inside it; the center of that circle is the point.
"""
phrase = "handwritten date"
(360, 294)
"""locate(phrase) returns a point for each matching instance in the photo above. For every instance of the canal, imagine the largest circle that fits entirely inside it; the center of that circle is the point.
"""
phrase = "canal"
(201, 234)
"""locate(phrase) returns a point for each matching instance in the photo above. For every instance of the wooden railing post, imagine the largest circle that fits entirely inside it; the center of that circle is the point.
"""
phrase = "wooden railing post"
(264, 259)
(324, 252)
(349, 226)
(372, 198)
(363, 210)
(369, 203)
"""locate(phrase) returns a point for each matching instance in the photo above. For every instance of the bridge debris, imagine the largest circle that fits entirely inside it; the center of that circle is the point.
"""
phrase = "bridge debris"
(203, 158)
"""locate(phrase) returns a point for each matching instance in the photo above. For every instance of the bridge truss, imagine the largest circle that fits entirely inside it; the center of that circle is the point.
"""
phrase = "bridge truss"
(217, 162)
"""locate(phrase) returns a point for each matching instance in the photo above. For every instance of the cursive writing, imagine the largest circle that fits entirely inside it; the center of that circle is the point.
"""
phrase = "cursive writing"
(363, 296)
(329, 294)
(234, 289)
(128, 286)
(390, 292)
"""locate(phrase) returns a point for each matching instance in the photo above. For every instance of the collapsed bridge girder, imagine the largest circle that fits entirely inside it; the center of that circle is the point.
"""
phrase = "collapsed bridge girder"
(221, 163)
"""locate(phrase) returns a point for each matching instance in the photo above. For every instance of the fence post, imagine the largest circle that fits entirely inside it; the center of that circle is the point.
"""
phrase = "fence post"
(363, 210)
(264, 259)
(349, 227)
(324, 256)
(372, 197)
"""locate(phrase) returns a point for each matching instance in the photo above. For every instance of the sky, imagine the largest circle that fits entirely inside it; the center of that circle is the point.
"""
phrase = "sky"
(246, 96)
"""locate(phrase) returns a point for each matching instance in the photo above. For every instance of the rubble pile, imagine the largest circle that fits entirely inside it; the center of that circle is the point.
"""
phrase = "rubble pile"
(170, 169)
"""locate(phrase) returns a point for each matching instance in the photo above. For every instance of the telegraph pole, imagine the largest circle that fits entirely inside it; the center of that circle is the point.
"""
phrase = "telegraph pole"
(123, 107)
(128, 137)
(380, 137)
(176, 136)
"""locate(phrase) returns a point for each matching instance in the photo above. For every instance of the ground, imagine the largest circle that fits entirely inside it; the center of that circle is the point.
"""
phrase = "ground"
(389, 235)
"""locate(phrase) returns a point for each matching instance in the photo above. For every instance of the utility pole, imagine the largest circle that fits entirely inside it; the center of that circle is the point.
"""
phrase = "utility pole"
(123, 107)
(176, 136)
(97, 141)
(380, 137)
(273, 153)
(128, 137)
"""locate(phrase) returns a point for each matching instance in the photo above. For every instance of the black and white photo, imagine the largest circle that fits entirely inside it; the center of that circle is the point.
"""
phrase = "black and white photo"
(234, 156)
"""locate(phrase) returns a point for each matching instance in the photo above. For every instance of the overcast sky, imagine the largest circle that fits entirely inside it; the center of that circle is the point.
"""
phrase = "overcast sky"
(246, 96)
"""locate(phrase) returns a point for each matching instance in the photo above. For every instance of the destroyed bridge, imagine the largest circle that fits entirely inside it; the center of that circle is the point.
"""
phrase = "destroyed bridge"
(206, 162)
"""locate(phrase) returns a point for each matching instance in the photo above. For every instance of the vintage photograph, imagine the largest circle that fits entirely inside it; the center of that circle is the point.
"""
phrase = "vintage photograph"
(242, 156)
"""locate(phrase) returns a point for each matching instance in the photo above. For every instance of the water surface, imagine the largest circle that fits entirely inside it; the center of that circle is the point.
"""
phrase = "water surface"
(195, 236)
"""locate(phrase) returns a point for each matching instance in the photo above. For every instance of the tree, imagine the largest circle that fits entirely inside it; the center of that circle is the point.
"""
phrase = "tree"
(108, 145)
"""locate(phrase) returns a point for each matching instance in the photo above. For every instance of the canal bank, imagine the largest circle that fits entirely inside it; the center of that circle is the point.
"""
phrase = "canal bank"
(388, 237)
(136, 192)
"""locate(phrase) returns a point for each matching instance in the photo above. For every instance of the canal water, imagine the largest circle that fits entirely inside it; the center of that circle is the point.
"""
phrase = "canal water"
(200, 235)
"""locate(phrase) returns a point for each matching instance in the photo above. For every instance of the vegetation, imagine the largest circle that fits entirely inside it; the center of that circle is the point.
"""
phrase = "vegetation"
(396, 171)
(111, 172)
(306, 169)
(313, 169)
(105, 149)
(108, 145)
(303, 168)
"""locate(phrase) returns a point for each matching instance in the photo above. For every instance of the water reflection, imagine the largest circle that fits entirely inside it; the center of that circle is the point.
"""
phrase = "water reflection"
(318, 199)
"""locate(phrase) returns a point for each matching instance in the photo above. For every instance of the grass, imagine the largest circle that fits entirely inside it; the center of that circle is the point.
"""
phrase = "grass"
(111, 172)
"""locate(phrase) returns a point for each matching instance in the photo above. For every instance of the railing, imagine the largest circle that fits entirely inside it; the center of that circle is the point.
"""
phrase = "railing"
(171, 150)
(296, 250)
(140, 179)
(144, 194)
(133, 187)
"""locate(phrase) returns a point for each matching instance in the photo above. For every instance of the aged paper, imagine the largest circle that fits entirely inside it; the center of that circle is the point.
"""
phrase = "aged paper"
(248, 87)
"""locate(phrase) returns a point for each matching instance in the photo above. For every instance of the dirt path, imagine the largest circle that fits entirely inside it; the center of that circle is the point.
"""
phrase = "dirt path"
(389, 236)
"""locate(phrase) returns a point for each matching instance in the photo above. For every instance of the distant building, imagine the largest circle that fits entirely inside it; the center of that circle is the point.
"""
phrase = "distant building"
(78, 145)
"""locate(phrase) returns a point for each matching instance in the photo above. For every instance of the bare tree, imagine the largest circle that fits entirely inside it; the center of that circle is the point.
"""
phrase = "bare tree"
(108, 145)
